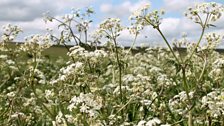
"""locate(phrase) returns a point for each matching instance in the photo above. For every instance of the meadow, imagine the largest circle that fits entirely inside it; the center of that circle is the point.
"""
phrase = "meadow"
(84, 85)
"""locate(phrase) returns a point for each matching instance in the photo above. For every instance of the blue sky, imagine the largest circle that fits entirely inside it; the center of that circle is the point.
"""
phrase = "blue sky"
(28, 15)
(155, 4)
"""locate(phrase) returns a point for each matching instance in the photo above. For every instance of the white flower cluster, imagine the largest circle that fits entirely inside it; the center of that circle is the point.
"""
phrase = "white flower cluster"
(143, 17)
(11, 64)
(213, 38)
(111, 23)
(140, 11)
(217, 69)
(110, 28)
(135, 29)
(79, 51)
(49, 94)
(69, 71)
(35, 44)
(137, 85)
(3, 57)
(10, 32)
(178, 102)
(152, 122)
(59, 120)
(76, 21)
(212, 41)
(18, 115)
(86, 103)
(76, 50)
(214, 103)
(163, 80)
(92, 56)
(5, 61)
(40, 76)
(81, 17)
(212, 10)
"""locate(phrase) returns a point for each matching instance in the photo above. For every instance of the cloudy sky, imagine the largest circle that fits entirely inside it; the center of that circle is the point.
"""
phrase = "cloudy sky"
(28, 15)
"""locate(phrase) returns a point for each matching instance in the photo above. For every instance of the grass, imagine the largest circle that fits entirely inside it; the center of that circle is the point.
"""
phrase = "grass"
(56, 51)
(60, 51)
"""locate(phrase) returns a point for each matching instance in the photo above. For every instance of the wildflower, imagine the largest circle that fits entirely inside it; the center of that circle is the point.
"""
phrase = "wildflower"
(49, 93)
(10, 32)
(86, 103)
(153, 122)
(18, 115)
(214, 102)
(35, 44)
(141, 123)
(199, 11)
(144, 18)
(46, 17)
(111, 28)
(11, 94)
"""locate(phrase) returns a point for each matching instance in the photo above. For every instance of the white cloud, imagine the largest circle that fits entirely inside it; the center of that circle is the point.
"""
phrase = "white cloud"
(106, 8)
(178, 5)
(118, 11)
(172, 28)
(122, 10)
(23, 10)
(36, 26)
(28, 15)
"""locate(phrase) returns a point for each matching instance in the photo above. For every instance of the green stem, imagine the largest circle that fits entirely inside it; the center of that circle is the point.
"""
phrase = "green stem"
(119, 67)
(204, 25)
(130, 100)
(113, 36)
(132, 45)
(186, 88)
(71, 31)
(86, 40)
(203, 70)
(195, 48)
(167, 43)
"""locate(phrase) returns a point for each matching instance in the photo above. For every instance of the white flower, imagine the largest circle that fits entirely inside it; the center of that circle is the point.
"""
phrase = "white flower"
(18, 115)
(199, 11)
(59, 117)
(10, 32)
(71, 106)
(84, 108)
(141, 123)
(11, 94)
(165, 125)
(153, 122)
(69, 118)
(49, 93)
(86, 103)
(146, 102)
(215, 103)
(10, 62)
(35, 44)
(3, 56)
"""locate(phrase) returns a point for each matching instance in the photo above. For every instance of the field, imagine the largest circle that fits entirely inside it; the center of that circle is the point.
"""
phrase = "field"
(89, 84)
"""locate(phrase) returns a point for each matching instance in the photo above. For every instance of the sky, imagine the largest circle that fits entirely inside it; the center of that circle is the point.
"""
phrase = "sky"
(28, 14)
